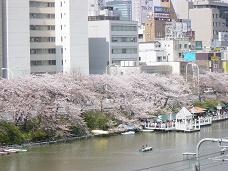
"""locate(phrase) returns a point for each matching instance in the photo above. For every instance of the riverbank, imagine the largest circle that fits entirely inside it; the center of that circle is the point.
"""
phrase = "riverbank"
(65, 140)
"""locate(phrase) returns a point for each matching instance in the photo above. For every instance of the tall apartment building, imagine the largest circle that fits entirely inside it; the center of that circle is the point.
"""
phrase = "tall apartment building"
(43, 36)
(209, 17)
(122, 8)
(1, 45)
(15, 38)
(72, 35)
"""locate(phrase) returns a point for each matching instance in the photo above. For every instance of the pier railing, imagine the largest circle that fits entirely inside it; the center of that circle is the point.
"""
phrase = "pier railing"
(220, 117)
(154, 125)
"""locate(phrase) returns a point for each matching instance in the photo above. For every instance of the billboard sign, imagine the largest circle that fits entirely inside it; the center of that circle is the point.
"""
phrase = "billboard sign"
(215, 57)
(161, 13)
(161, 16)
(161, 10)
(199, 45)
(189, 57)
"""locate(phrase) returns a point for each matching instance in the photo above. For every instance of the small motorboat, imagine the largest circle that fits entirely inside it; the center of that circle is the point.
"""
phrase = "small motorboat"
(147, 130)
(100, 132)
(14, 150)
(146, 149)
(128, 133)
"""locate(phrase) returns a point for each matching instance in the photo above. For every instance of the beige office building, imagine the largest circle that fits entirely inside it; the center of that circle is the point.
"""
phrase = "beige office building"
(154, 29)
(42, 36)
(209, 17)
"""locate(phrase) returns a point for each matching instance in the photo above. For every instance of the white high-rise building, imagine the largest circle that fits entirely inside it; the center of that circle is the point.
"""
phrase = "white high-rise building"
(15, 38)
(1, 50)
(72, 35)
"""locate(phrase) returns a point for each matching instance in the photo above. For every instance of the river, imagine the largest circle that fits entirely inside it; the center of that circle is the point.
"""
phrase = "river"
(120, 153)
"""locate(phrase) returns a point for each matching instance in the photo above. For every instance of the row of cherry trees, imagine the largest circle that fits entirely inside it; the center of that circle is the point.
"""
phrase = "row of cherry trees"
(50, 97)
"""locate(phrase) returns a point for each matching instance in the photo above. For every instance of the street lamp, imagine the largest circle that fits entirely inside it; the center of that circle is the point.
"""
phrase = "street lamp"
(111, 65)
(198, 74)
(8, 73)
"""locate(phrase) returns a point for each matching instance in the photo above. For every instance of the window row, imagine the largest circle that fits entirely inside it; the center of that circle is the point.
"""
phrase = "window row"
(41, 4)
(124, 51)
(124, 28)
(41, 16)
(43, 51)
(184, 46)
(43, 62)
(42, 27)
(218, 24)
(124, 39)
(42, 39)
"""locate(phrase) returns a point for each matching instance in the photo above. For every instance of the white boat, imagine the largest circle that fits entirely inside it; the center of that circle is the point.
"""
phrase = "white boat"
(128, 133)
(146, 149)
(14, 150)
(147, 130)
(100, 132)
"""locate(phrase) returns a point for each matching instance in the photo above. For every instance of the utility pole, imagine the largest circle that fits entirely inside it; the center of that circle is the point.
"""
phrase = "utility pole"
(195, 75)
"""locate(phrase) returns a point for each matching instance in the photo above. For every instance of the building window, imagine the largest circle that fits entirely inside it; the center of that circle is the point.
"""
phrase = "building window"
(124, 39)
(41, 4)
(42, 27)
(42, 51)
(124, 51)
(43, 62)
(159, 59)
(42, 16)
(123, 28)
(42, 39)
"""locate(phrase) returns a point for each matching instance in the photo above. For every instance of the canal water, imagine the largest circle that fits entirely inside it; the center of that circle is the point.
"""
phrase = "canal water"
(120, 153)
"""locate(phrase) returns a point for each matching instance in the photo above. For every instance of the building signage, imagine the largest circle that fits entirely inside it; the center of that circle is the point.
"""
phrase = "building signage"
(215, 58)
(189, 57)
(161, 10)
(161, 13)
(161, 16)
(199, 45)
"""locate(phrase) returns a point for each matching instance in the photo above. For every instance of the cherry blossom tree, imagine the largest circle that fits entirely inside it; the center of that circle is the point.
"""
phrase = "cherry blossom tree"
(50, 97)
